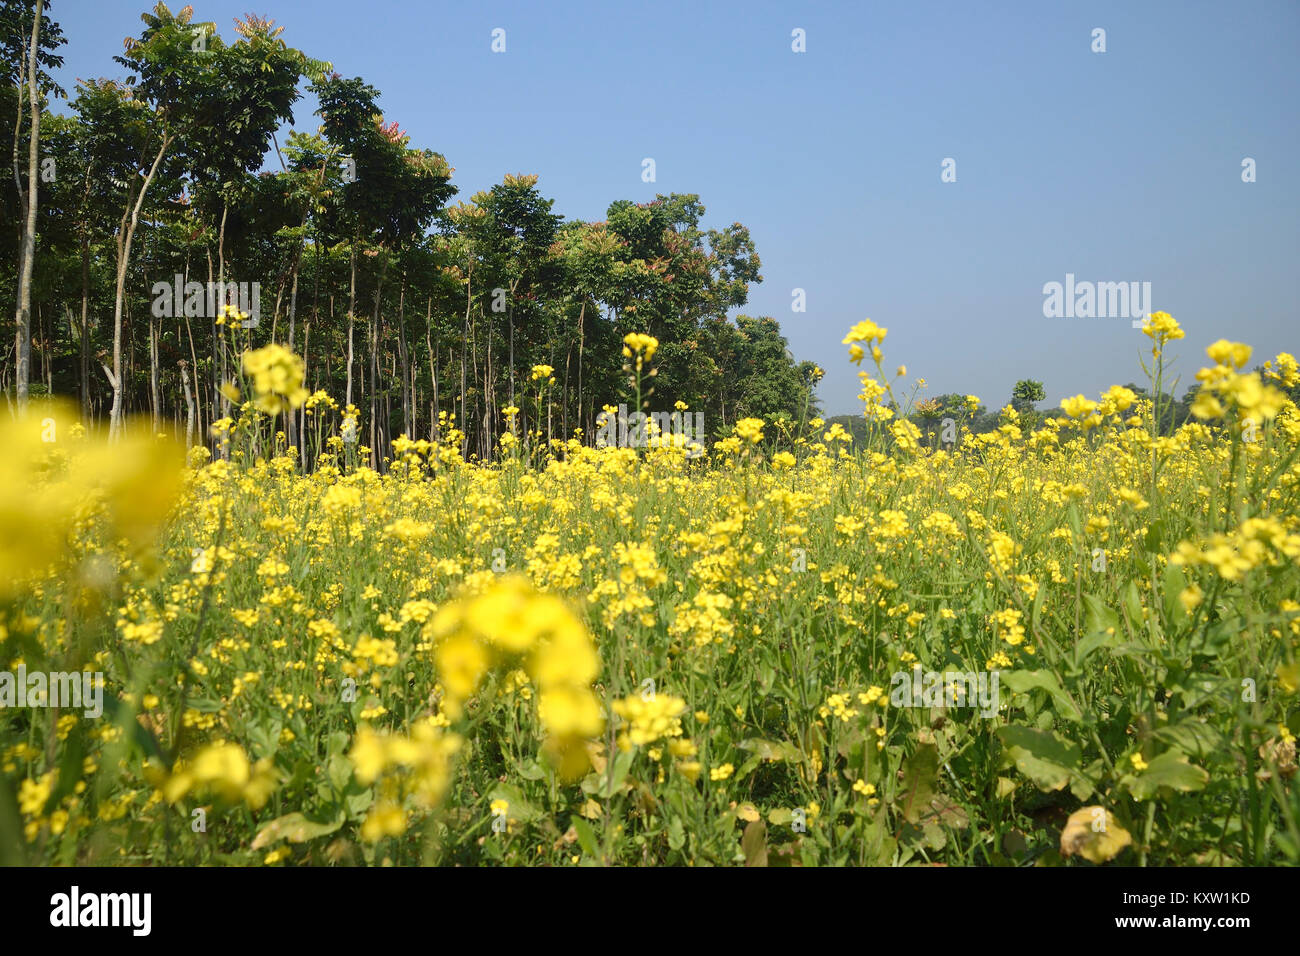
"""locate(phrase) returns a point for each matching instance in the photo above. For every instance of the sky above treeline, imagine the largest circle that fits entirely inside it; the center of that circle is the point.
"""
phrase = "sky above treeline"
(1062, 161)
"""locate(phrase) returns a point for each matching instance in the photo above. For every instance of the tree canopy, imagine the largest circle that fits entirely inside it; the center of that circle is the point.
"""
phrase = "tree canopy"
(421, 311)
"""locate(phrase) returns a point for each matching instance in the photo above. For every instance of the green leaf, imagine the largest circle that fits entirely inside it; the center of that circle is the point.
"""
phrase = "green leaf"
(920, 774)
(339, 770)
(1083, 650)
(1037, 608)
(71, 768)
(1133, 605)
(1075, 522)
(1097, 616)
(358, 803)
(1155, 536)
(1219, 637)
(879, 843)
(1024, 681)
(947, 813)
(933, 836)
(676, 834)
(849, 742)
(1193, 736)
(1172, 771)
(337, 742)
(520, 808)
(266, 739)
(586, 837)
(604, 785)
(295, 828)
(10, 822)
(1042, 756)
(754, 844)
(1083, 784)
(748, 767)
(1175, 581)
(531, 770)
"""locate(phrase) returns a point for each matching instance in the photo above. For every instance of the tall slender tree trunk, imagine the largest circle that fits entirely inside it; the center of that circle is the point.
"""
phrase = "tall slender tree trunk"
(302, 429)
(462, 412)
(352, 305)
(377, 442)
(275, 313)
(17, 172)
(85, 329)
(198, 384)
(194, 360)
(408, 429)
(293, 311)
(23, 314)
(306, 345)
(189, 406)
(489, 390)
(510, 320)
(125, 235)
(154, 404)
(433, 371)
(219, 401)
(473, 359)
(582, 314)
(46, 325)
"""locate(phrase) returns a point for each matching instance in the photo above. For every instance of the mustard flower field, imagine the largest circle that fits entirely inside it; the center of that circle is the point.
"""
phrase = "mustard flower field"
(1068, 645)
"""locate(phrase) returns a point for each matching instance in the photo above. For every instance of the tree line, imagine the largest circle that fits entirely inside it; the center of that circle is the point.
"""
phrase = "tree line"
(931, 415)
(163, 195)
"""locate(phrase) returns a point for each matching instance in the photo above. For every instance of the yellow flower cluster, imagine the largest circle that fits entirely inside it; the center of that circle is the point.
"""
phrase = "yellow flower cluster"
(1080, 407)
(509, 621)
(277, 375)
(1161, 327)
(648, 718)
(222, 770)
(1223, 386)
(1009, 626)
(1283, 369)
(57, 479)
(412, 770)
(868, 332)
(1256, 542)
(641, 345)
(321, 399)
(750, 430)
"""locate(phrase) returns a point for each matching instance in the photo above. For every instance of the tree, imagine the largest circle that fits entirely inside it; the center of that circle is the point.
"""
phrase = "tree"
(31, 78)
(511, 231)
(753, 373)
(166, 72)
(1026, 394)
(585, 254)
(391, 195)
(221, 104)
(675, 276)
(93, 153)
(395, 196)
(237, 96)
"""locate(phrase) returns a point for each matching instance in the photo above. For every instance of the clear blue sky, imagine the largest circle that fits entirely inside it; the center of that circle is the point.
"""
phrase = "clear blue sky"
(1114, 167)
